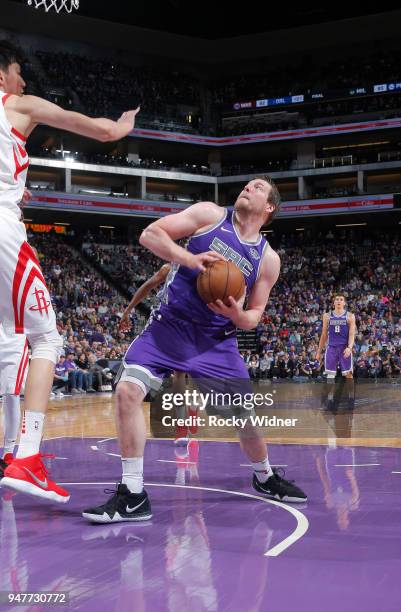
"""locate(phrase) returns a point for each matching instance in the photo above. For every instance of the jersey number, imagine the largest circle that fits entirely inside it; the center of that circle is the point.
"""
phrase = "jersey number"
(337, 329)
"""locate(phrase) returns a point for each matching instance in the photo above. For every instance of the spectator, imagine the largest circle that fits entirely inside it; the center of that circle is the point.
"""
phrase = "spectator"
(60, 376)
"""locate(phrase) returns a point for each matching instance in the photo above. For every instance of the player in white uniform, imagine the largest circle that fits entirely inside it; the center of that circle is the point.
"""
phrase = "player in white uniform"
(25, 306)
(14, 358)
(14, 363)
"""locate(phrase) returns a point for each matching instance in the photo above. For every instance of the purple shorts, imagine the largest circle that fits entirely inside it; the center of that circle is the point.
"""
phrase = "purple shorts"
(168, 343)
(334, 356)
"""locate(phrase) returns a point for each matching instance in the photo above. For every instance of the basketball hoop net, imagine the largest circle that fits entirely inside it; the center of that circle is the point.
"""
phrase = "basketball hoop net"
(58, 5)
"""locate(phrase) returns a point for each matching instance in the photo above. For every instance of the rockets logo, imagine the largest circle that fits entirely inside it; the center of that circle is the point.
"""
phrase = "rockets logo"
(42, 305)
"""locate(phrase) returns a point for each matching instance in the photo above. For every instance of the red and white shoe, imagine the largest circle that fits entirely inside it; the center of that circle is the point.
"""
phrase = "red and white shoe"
(5, 462)
(29, 475)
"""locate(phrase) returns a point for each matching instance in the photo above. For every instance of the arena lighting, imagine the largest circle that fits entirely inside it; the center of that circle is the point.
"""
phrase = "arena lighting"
(96, 191)
(107, 226)
(299, 229)
(28, 220)
(349, 224)
(356, 146)
(61, 223)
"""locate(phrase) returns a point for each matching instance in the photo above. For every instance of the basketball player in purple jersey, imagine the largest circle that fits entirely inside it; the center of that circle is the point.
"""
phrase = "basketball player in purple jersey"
(186, 334)
(339, 330)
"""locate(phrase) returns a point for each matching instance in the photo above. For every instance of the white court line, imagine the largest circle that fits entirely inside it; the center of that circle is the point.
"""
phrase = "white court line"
(175, 461)
(106, 440)
(299, 531)
(396, 472)
(271, 465)
(355, 464)
(96, 448)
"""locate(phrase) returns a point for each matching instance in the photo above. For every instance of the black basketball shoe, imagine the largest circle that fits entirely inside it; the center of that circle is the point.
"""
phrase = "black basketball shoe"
(122, 506)
(276, 487)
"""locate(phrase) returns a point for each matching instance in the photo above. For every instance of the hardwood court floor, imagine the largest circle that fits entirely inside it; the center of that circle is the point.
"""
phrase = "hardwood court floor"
(93, 416)
(212, 544)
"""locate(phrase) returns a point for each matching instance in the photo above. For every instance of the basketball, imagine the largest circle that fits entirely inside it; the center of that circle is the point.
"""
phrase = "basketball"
(220, 280)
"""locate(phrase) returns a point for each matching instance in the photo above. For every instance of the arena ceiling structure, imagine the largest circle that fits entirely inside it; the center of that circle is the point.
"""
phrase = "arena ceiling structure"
(211, 20)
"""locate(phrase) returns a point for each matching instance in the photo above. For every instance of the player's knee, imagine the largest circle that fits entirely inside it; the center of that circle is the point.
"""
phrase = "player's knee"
(46, 346)
(349, 375)
(129, 395)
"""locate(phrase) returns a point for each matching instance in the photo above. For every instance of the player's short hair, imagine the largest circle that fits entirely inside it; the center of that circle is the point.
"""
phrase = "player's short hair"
(9, 54)
(336, 295)
(274, 197)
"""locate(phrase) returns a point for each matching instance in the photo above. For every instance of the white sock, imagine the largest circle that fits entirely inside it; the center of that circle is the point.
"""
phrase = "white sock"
(133, 473)
(12, 418)
(180, 476)
(31, 433)
(262, 470)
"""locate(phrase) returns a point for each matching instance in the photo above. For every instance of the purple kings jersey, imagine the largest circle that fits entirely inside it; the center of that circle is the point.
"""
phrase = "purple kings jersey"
(179, 295)
(338, 329)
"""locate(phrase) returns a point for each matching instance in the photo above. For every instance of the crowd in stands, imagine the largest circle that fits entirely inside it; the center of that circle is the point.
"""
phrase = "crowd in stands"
(107, 88)
(174, 101)
(307, 75)
(313, 115)
(367, 270)
(129, 266)
(88, 312)
(269, 166)
(364, 266)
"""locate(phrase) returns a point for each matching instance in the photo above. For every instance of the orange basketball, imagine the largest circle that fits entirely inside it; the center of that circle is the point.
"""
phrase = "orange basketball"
(221, 279)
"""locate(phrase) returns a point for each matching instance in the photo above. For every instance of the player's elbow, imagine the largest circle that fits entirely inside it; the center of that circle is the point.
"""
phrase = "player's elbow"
(107, 134)
(147, 236)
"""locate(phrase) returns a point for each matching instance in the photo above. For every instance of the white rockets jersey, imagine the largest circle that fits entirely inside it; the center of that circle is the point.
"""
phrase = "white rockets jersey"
(14, 163)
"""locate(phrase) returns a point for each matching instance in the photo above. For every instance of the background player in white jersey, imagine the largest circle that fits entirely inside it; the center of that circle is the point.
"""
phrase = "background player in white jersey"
(25, 304)
(14, 358)
(14, 364)
(338, 332)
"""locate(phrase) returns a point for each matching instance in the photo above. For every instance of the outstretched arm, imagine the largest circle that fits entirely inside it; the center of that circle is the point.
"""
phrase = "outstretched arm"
(26, 112)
